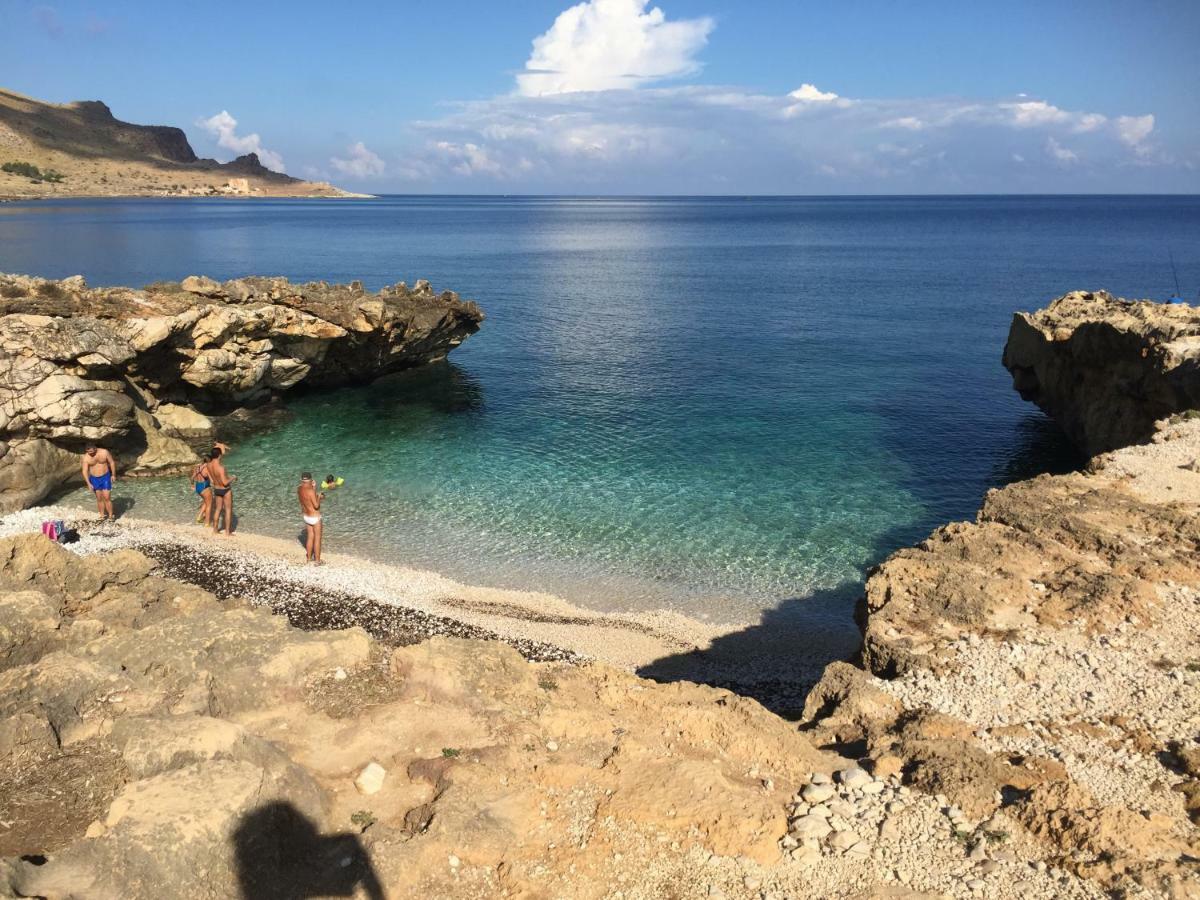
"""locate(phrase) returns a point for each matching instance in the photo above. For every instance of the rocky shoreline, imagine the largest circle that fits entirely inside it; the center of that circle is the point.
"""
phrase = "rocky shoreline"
(1023, 721)
(150, 373)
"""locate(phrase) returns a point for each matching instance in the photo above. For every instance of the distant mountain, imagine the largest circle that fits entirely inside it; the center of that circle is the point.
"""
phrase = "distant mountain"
(81, 149)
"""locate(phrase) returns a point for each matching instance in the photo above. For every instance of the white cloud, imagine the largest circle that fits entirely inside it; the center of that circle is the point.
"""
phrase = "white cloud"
(467, 159)
(690, 138)
(1034, 113)
(602, 45)
(223, 127)
(361, 162)
(1059, 153)
(911, 123)
(586, 116)
(809, 93)
(1134, 130)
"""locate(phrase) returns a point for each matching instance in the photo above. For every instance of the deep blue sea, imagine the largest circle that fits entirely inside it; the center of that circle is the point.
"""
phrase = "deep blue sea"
(711, 405)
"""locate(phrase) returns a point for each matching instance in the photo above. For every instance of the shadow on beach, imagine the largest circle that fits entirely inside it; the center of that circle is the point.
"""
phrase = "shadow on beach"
(777, 660)
(282, 856)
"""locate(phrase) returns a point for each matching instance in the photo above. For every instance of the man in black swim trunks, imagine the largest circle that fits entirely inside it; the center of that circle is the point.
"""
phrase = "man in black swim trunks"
(221, 483)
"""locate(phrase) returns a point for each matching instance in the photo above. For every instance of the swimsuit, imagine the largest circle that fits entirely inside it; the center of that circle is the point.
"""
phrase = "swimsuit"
(101, 482)
(220, 492)
(312, 520)
(201, 486)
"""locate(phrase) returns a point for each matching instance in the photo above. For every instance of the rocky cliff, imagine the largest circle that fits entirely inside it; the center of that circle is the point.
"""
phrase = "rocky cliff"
(1104, 368)
(143, 371)
(93, 153)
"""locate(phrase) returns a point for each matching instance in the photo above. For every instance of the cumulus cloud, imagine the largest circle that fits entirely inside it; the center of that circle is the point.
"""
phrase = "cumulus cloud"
(808, 93)
(223, 127)
(1059, 153)
(589, 114)
(1134, 131)
(360, 162)
(602, 45)
(720, 138)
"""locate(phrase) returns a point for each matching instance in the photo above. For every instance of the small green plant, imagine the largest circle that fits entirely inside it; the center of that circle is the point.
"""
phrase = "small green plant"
(547, 684)
(363, 818)
(961, 836)
(1194, 666)
(996, 837)
(29, 170)
(451, 752)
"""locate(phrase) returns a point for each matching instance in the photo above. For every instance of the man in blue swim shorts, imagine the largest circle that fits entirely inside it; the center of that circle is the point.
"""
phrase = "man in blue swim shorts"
(99, 472)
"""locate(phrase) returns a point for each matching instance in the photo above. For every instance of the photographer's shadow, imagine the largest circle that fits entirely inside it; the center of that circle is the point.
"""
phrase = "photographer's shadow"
(282, 856)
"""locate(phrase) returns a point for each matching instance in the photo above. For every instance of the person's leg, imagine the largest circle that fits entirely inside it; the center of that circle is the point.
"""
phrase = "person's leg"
(310, 537)
(320, 530)
(215, 513)
(106, 501)
(99, 502)
(229, 514)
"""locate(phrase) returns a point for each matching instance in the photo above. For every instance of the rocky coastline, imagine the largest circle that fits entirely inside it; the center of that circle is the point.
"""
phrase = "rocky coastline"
(1023, 719)
(1107, 369)
(151, 372)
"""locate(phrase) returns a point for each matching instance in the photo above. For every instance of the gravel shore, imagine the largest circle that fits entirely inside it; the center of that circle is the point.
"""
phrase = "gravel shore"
(402, 606)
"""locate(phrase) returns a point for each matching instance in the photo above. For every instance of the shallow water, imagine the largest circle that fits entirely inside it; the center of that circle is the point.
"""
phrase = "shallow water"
(711, 405)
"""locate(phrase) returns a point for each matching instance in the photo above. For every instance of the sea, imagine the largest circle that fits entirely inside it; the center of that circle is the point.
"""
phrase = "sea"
(721, 406)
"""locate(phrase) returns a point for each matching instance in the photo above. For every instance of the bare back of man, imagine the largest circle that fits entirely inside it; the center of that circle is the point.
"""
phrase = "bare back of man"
(310, 510)
(221, 485)
(99, 471)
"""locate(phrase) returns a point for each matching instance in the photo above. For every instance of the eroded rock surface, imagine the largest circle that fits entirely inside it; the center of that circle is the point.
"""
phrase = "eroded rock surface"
(155, 739)
(143, 371)
(1042, 665)
(1104, 368)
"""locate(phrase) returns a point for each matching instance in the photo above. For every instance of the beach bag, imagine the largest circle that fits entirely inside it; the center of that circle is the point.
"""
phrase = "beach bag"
(54, 528)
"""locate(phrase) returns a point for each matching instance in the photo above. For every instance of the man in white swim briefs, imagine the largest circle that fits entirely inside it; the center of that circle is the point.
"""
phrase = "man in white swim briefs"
(310, 511)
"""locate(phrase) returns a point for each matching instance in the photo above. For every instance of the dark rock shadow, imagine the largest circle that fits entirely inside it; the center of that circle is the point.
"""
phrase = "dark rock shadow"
(281, 855)
(122, 505)
(778, 660)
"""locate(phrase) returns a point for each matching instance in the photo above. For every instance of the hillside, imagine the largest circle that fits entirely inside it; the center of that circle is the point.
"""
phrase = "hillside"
(98, 155)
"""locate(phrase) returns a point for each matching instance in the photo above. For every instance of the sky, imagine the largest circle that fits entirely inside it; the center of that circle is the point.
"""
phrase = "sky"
(633, 97)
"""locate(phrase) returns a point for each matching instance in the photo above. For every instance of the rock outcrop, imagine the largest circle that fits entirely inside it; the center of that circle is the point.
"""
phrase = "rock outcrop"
(1040, 664)
(153, 739)
(1104, 368)
(142, 371)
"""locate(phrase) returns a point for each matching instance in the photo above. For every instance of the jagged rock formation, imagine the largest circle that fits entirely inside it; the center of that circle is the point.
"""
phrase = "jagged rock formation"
(1041, 663)
(141, 371)
(99, 155)
(1104, 368)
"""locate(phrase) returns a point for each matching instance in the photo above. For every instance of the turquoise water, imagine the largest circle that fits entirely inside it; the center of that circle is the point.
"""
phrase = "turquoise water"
(711, 405)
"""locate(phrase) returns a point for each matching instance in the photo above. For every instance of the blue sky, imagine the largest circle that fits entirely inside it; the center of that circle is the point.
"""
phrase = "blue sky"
(622, 96)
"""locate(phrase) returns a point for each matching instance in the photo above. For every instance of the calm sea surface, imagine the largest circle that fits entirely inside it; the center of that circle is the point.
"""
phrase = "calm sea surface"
(712, 405)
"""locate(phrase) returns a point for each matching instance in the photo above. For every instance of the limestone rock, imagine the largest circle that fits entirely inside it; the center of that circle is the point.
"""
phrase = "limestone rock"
(143, 371)
(370, 779)
(1104, 368)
